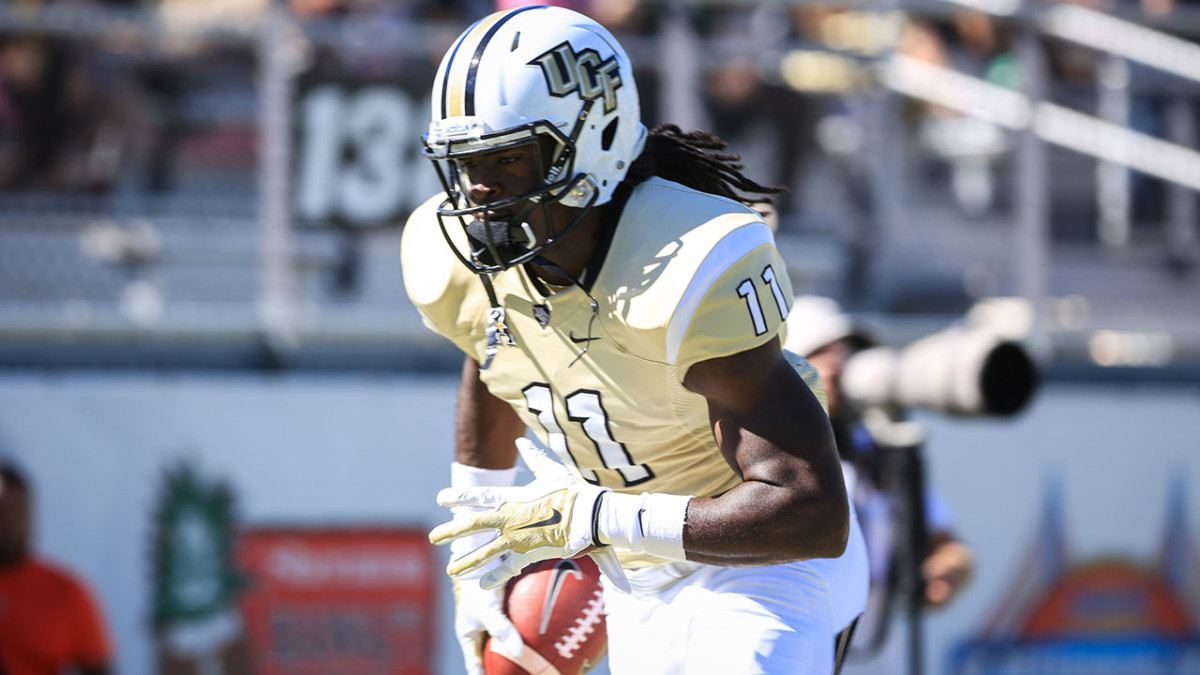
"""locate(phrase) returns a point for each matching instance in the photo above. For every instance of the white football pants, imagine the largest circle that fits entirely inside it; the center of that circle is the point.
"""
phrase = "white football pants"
(695, 619)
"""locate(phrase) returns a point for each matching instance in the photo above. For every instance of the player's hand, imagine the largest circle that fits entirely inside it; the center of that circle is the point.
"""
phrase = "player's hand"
(478, 613)
(550, 517)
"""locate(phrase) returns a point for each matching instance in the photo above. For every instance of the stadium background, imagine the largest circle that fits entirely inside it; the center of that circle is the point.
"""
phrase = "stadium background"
(200, 206)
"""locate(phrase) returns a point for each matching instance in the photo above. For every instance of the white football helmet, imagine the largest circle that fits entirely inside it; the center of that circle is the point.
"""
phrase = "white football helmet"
(516, 77)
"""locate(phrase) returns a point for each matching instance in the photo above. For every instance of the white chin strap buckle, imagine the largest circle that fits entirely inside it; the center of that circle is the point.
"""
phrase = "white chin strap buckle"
(530, 240)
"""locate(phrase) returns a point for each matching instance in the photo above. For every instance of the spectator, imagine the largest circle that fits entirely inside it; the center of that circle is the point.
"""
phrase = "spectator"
(49, 622)
(67, 117)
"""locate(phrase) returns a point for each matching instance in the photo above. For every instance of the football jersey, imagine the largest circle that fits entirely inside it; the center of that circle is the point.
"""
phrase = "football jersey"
(688, 276)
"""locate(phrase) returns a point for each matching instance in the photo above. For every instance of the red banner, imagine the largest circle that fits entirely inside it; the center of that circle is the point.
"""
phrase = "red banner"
(353, 601)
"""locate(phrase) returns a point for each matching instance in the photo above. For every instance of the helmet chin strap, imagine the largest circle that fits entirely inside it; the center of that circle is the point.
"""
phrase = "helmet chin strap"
(495, 239)
(497, 331)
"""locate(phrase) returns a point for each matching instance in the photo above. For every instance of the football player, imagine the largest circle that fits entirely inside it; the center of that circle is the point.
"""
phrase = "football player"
(614, 294)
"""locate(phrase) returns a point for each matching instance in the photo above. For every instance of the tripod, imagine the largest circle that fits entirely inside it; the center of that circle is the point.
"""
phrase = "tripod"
(901, 442)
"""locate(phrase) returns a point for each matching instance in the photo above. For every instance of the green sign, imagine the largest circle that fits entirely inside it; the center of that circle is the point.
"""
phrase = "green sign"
(194, 575)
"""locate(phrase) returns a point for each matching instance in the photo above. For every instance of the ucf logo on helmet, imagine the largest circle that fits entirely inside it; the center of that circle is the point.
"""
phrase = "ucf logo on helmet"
(584, 72)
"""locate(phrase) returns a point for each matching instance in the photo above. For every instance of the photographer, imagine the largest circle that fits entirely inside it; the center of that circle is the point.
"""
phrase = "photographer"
(820, 332)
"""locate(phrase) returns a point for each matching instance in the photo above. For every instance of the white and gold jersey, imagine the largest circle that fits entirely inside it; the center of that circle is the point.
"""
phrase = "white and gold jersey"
(688, 276)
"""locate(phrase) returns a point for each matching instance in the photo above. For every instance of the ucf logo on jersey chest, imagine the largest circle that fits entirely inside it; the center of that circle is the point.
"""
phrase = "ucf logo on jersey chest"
(567, 71)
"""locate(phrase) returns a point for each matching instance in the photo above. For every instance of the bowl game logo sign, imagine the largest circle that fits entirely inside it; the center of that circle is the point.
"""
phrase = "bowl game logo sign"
(347, 600)
(1110, 615)
(197, 628)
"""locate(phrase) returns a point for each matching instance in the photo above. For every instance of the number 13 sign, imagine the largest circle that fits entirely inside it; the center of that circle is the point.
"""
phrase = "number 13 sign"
(358, 159)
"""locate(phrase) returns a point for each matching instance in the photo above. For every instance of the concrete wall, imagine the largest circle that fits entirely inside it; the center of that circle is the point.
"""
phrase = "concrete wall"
(357, 450)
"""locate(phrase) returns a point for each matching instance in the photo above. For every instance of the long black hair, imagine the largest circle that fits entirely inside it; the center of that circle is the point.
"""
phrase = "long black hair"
(699, 160)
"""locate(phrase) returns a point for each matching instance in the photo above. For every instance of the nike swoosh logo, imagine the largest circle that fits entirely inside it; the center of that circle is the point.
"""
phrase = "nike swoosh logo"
(563, 568)
(552, 520)
(578, 340)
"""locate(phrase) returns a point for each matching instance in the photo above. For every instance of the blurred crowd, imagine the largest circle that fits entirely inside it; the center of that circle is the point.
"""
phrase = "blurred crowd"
(100, 111)
(90, 105)
(66, 114)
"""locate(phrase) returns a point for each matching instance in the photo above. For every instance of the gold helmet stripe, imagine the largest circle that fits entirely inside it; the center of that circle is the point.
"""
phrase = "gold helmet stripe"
(458, 88)
(443, 91)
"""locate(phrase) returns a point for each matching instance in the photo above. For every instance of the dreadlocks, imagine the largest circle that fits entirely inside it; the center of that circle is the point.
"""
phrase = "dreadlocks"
(698, 160)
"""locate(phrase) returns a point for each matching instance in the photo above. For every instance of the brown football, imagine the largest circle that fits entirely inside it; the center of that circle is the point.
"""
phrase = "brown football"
(558, 608)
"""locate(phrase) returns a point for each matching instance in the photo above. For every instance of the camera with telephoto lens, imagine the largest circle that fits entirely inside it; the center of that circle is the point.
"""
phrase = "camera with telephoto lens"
(957, 371)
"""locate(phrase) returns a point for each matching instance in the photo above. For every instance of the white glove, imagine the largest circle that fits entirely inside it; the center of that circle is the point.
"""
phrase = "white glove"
(551, 517)
(479, 611)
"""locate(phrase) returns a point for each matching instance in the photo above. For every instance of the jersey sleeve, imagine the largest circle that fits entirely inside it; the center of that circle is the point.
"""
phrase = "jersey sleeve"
(737, 299)
(808, 373)
(437, 283)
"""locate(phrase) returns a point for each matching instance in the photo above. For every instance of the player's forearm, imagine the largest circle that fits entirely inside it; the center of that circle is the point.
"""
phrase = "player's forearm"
(791, 503)
(485, 426)
(758, 523)
(752, 524)
(771, 429)
(485, 455)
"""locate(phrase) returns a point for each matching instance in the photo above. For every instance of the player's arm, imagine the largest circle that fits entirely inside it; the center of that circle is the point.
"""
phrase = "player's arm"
(485, 454)
(771, 428)
(485, 426)
(791, 506)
